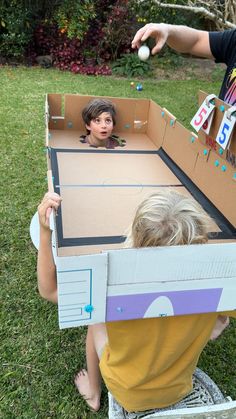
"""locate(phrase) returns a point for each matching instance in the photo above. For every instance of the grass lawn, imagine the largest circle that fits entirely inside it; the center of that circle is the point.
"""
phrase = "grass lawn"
(38, 361)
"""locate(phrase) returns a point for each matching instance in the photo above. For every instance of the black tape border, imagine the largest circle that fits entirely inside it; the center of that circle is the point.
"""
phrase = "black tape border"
(227, 229)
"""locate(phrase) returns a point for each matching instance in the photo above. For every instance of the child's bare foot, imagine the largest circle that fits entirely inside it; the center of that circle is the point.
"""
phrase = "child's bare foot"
(83, 386)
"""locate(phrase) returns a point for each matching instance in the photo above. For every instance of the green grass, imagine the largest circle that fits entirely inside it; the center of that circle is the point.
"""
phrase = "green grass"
(38, 361)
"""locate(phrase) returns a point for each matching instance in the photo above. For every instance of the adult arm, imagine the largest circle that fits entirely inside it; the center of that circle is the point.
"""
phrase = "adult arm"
(180, 38)
(46, 270)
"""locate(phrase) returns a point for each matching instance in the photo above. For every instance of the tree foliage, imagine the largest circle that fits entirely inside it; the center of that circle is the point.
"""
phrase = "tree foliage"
(221, 13)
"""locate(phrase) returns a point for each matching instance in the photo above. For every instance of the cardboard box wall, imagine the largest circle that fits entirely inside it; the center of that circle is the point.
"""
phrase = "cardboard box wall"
(102, 188)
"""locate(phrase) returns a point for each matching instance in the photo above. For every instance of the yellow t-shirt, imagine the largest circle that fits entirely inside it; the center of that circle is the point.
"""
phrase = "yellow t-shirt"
(148, 363)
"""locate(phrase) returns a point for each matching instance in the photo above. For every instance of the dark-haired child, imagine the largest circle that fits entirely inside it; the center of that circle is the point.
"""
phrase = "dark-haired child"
(99, 117)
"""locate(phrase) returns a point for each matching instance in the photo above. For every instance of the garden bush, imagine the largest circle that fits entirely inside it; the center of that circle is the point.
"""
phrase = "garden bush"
(73, 17)
(105, 34)
(131, 66)
(15, 29)
(84, 36)
(18, 19)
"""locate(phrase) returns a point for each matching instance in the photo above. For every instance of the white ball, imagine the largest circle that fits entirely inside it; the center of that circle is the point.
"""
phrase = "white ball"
(143, 53)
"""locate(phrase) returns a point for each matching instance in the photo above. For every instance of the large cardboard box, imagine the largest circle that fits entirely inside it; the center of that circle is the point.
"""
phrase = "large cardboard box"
(100, 191)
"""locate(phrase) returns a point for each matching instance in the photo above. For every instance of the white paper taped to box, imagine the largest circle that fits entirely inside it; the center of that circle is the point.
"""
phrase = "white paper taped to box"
(149, 282)
(138, 283)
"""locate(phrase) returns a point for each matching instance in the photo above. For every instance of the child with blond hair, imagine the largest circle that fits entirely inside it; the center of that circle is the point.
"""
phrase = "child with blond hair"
(145, 363)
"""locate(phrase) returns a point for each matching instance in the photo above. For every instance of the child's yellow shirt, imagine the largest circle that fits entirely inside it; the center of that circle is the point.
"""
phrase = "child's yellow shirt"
(148, 363)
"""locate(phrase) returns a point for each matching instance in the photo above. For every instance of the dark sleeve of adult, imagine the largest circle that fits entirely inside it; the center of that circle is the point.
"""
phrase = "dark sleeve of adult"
(223, 45)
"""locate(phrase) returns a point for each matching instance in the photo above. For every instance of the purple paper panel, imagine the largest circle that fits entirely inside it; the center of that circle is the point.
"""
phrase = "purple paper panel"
(126, 307)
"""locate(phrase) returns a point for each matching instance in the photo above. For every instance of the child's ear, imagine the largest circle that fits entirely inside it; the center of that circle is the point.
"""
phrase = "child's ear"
(88, 127)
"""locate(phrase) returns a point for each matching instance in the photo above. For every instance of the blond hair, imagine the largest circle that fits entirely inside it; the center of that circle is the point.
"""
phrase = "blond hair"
(168, 218)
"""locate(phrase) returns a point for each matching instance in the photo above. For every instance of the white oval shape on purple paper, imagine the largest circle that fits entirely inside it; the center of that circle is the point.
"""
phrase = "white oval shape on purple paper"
(160, 307)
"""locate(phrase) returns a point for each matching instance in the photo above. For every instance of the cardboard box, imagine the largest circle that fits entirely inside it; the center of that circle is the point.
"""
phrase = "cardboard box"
(101, 189)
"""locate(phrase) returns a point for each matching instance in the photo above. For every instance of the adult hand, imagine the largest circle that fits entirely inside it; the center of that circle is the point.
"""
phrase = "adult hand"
(50, 200)
(158, 31)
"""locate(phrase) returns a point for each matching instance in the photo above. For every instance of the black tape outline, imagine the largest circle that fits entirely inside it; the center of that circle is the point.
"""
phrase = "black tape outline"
(227, 229)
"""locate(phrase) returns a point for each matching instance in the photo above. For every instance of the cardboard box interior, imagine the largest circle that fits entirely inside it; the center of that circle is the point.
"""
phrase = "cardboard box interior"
(101, 188)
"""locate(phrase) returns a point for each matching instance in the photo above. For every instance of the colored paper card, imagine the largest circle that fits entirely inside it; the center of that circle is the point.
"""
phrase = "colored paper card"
(82, 287)
(226, 128)
(203, 113)
(207, 124)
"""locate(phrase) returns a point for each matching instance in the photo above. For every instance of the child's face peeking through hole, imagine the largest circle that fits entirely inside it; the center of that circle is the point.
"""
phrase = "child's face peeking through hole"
(100, 128)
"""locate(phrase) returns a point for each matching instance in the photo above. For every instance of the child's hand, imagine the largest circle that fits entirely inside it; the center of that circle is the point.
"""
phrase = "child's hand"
(51, 200)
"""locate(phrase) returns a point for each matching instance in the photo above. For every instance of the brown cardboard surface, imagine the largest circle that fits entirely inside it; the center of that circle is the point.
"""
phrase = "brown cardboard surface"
(71, 139)
(101, 190)
(55, 111)
(106, 169)
(217, 185)
(198, 160)
(132, 114)
(156, 124)
(84, 250)
(87, 250)
(109, 219)
(215, 177)
(91, 219)
(55, 104)
(177, 143)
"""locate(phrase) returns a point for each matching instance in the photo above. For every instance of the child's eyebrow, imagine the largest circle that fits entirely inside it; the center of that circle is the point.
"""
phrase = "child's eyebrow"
(106, 117)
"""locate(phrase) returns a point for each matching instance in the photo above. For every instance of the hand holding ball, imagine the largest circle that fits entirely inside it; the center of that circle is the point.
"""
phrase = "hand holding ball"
(143, 53)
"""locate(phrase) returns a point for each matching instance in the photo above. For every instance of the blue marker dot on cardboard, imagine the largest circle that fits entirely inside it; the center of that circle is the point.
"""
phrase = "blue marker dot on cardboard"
(223, 168)
(205, 152)
(221, 151)
(120, 309)
(127, 125)
(163, 113)
(172, 122)
(222, 108)
(69, 124)
(192, 139)
(89, 308)
(217, 163)
(234, 176)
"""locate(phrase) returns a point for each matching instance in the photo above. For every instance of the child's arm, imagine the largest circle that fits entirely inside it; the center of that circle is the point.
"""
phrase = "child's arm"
(221, 323)
(46, 269)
